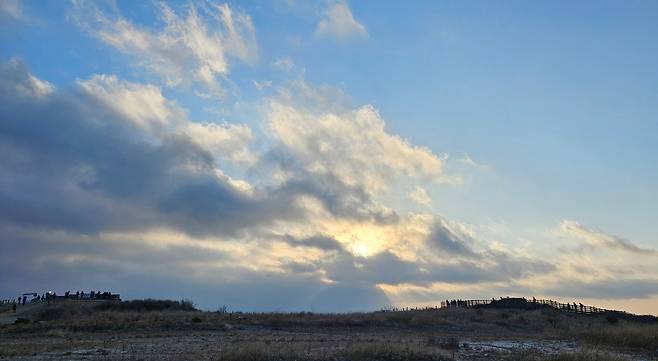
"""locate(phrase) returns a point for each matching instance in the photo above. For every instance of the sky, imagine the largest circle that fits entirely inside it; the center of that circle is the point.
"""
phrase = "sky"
(330, 156)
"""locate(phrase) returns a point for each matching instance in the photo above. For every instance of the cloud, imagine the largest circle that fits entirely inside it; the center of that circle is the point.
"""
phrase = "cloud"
(388, 268)
(325, 243)
(121, 149)
(339, 22)
(420, 196)
(446, 239)
(22, 82)
(343, 157)
(240, 34)
(285, 64)
(353, 147)
(140, 104)
(198, 43)
(11, 8)
(260, 85)
(110, 175)
(223, 141)
(598, 239)
(133, 267)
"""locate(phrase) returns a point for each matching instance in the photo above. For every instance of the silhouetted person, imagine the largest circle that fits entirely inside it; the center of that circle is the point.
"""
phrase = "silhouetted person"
(14, 307)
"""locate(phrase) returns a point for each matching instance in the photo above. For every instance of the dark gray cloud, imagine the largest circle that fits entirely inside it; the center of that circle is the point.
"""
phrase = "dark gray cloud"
(340, 199)
(387, 268)
(325, 243)
(445, 241)
(139, 270)
(73, 163)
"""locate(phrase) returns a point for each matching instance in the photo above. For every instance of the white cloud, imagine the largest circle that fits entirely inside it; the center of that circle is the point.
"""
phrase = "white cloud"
(353, 146)
(467, 160)
(12, 8)
(197, 43)
(598, 239)
(240, 37)
(285, 64)
(339, 22)
(260, 85)
(228, 141)
(144, 106)
(420, 196)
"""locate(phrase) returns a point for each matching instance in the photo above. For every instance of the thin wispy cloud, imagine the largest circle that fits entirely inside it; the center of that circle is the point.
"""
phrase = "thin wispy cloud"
(339, 22)
(198, 43)
(597, 239)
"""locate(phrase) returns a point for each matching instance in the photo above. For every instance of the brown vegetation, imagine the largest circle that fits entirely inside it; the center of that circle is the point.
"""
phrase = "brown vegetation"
(175, 330)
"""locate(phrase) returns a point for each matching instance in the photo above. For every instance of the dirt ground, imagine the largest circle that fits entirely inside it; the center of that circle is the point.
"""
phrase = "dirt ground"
(52, 333)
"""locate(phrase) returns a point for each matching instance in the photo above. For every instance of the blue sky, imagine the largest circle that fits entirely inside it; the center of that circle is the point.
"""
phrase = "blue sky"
(526, 131)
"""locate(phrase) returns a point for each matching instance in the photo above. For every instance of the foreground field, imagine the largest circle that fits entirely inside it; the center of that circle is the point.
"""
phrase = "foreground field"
(175, 331)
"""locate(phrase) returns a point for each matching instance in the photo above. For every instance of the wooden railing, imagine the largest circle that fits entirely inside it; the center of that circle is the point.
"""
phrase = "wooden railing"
(513, 303)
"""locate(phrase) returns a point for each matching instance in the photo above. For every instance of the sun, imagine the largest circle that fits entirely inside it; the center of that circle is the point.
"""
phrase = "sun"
(361, 249)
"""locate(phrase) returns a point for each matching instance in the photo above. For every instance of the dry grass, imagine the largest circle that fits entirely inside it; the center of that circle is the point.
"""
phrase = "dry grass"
(146, 315)
(377, 351)
(171, 330)
(623, 334)
(587, 356)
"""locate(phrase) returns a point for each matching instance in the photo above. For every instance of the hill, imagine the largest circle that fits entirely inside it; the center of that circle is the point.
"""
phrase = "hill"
(172, 330)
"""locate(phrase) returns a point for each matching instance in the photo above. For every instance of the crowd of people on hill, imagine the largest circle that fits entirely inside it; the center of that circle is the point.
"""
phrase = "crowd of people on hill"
(48, 296)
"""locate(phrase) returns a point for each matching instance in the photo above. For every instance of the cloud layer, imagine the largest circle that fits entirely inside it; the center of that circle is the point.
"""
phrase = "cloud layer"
(110, 166)
(109, 183)
(339, 22)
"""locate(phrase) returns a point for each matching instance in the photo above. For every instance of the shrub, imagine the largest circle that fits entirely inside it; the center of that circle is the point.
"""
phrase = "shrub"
(148, 305)
(21, 321)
